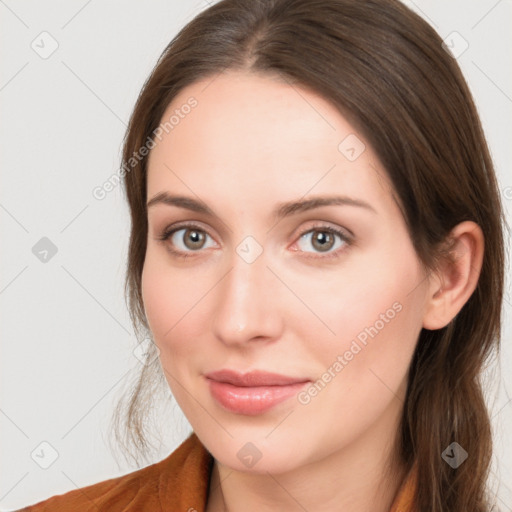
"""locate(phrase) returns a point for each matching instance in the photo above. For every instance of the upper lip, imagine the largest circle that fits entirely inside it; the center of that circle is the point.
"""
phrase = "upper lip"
(253, 378)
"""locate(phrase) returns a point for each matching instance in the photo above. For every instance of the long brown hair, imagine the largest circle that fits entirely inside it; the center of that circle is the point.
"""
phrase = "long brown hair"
(385, 69)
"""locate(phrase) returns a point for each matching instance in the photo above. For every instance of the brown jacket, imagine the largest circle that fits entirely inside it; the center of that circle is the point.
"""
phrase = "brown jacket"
(179, 483)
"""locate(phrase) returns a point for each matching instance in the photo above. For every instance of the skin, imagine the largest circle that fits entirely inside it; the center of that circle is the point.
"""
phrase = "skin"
(251, 143)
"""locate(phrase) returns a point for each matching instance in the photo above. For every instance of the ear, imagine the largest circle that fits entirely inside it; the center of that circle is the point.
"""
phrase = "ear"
(453, 282)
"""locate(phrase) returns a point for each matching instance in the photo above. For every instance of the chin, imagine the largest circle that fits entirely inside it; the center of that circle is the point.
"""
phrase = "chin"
(254, 452)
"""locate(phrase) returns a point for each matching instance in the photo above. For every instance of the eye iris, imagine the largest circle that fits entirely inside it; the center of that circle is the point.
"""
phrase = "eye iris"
(197, 238)
(324, 239)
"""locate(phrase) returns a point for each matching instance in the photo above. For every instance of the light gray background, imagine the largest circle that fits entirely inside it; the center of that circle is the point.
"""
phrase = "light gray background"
(66, 337)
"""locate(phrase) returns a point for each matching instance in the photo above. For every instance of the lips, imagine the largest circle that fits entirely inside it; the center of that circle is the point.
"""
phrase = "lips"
(252, 393)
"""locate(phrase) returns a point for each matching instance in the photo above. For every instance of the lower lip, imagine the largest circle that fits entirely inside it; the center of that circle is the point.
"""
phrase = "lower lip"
(251, 400)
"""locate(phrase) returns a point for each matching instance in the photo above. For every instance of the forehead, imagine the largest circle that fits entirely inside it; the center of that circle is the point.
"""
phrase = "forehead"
(264, 138)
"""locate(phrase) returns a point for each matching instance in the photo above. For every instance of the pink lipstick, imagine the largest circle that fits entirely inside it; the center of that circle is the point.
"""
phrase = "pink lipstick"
(252, 393)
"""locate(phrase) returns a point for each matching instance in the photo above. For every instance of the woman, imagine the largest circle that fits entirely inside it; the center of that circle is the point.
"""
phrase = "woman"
(317, 253)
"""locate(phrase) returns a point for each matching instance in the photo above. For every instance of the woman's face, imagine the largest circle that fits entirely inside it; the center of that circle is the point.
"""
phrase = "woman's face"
(329, 295)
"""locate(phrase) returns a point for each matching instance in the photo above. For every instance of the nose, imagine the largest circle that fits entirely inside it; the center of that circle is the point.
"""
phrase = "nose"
(247, 308)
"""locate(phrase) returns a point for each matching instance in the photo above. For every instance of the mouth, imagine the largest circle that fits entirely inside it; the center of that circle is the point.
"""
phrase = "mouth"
(252, 393)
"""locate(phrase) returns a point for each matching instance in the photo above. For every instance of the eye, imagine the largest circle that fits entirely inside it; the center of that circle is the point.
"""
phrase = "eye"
(185, 239)
(324, 239)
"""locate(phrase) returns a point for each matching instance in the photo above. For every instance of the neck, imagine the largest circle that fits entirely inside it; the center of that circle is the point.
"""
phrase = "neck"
(362, 477)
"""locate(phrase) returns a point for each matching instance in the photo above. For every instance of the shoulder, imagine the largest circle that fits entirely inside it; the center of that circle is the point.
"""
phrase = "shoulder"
(181, 478)
(405, 498)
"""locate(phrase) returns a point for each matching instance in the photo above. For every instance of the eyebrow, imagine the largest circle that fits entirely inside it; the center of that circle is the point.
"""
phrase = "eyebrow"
(282, 210)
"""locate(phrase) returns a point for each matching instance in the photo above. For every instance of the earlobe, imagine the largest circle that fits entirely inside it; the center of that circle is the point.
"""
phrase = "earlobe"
(456, 278)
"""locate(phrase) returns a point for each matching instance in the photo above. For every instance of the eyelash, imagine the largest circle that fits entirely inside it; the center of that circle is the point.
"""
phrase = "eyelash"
(168, 232)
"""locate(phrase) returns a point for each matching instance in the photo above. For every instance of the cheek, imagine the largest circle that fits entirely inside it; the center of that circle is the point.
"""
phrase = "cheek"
(374, 309)
(169, 302)
(368, 294)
